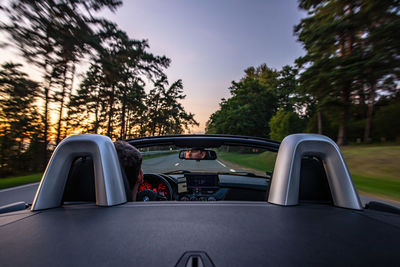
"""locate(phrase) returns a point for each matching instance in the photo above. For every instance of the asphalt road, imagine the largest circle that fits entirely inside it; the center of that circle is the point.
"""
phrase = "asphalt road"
(155, 165)
(172, 163)
(24, 193)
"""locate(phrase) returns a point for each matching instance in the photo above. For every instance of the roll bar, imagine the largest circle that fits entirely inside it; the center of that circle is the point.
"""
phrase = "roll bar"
(285, 182)
(109, 185)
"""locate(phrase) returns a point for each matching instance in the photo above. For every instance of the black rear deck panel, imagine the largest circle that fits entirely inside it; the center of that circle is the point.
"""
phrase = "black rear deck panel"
(231, 233)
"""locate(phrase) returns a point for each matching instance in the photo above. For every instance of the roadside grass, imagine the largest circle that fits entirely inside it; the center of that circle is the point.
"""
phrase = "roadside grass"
(384, 187)
(19, 180)
(375, 169)
(261, 162)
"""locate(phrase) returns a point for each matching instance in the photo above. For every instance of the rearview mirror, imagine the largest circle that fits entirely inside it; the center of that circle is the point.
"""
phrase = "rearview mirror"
(198, 154)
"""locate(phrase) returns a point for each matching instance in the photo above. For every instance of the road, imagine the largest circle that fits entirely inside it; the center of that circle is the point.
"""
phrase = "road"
(155, 165)
(172, 163)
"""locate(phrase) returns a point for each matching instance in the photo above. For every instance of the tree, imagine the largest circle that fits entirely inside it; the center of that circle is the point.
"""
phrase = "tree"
(40, 30)
(86, 109)
(284, 123)
(165, 114)
(328, 35)
(386, 121)
(287, 89)
(123, 61)
(351, 50)
(380, 52)
(19, 120)
(251, 106)
(112, 92)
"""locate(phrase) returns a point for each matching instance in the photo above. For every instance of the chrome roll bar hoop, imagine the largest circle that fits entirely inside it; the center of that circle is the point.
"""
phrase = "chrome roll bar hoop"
(285, 182)
(109, 185)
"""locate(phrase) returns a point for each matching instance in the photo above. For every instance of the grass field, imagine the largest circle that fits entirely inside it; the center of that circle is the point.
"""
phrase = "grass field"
(375, 169)
(19, 180)
(261, 162)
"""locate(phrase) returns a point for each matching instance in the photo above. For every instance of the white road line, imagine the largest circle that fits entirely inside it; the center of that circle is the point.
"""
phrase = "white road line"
(176, 164)
(18, 187)
(232, 170)
(221, 163)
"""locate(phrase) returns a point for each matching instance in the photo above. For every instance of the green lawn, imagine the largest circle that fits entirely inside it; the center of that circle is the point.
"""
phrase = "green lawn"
(375, 169)
(19, 180)
(261, 162)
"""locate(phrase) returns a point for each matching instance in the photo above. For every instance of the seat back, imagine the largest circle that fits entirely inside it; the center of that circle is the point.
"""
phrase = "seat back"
(80, 186)
(314, 185)
(80, 183)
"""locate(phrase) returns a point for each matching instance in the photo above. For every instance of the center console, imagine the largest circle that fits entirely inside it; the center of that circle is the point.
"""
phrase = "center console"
(198, 187)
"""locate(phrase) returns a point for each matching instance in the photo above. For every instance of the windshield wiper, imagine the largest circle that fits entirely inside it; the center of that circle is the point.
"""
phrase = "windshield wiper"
(177, 172)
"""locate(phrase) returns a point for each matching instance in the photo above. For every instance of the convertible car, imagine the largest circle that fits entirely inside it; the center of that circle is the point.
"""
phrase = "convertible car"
(206, 200)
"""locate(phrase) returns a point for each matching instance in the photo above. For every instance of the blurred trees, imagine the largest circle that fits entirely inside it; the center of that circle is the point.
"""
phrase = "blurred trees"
(352, 55)
(386, 120)
(350, 73)
(164, 112)
(20, 124)
(55, 35)
(284, 123)
(253, 102)
(345, 86)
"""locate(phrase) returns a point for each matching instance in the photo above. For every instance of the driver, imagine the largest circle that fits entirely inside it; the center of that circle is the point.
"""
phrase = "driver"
(195, 153)
(131, 161)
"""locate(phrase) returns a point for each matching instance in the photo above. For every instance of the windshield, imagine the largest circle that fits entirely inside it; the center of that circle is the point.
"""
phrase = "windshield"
(239, 160)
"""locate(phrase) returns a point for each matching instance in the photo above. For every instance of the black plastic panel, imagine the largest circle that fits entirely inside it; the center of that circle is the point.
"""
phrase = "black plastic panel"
(231, 233)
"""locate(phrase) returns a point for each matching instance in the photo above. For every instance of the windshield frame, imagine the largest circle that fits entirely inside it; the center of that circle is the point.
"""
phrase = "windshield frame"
(205, 140)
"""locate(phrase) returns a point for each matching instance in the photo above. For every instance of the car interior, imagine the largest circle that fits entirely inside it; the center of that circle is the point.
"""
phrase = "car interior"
(314, 187)
(306, 212)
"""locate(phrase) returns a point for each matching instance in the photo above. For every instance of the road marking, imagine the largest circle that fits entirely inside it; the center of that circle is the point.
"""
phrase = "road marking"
(176, 164)
(221, 163)
(18, 187)
(232, 170)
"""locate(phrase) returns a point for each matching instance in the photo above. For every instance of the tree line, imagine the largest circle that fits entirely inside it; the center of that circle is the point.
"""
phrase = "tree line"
(346, 86)
(56, 36)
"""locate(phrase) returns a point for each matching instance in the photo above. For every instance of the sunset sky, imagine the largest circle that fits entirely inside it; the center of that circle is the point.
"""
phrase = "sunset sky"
(209, 42)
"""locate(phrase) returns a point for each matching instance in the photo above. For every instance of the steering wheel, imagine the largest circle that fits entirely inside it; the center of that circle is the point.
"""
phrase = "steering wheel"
(150, 195)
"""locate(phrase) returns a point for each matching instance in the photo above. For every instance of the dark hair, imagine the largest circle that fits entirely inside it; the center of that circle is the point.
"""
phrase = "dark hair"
(130, 160)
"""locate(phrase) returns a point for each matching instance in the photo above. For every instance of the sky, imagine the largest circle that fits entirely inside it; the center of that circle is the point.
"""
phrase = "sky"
(210, 43)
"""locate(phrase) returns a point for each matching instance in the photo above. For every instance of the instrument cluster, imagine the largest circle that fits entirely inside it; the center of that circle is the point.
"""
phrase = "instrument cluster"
(156, 186)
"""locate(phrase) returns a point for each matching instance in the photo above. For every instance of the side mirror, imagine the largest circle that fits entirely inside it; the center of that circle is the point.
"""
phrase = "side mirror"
(198, 154)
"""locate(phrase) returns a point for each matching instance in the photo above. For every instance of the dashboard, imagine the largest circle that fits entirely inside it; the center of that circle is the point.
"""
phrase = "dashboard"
(157, 184)
(158, 187)
(198, 187)
(206, 187)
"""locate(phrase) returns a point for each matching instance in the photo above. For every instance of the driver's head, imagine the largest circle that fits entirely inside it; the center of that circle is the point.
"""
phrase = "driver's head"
(131, 161)
(195, 153)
